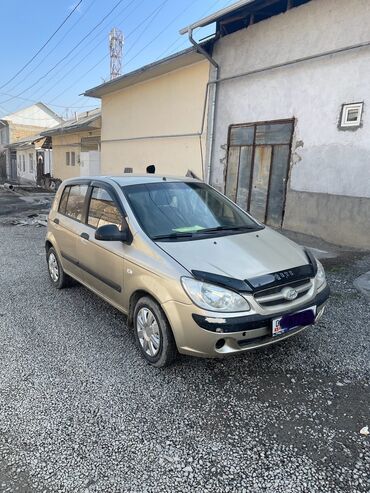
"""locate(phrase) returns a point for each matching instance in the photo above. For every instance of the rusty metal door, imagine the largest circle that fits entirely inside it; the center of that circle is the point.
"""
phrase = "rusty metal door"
(257, 168)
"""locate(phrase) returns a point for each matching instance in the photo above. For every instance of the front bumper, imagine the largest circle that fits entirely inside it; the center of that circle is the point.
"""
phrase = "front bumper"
(208, 335)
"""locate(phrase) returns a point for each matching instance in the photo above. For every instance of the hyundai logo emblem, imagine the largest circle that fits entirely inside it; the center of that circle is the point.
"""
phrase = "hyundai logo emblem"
(289, 294)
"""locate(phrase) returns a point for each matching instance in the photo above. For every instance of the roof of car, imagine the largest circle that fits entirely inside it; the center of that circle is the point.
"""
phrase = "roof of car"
(133, 179)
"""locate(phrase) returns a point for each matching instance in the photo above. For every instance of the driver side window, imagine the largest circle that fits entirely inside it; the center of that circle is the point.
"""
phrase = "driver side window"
(103, 210)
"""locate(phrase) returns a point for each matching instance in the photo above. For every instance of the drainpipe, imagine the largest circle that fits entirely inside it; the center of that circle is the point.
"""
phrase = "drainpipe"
(211, 119)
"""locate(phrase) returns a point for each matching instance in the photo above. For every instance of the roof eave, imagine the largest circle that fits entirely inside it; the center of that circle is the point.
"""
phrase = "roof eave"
(114, 85)
(71, 130)
(210, 19)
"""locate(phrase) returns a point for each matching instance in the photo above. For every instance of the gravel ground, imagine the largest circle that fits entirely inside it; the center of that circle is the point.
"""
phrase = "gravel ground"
(81, 411)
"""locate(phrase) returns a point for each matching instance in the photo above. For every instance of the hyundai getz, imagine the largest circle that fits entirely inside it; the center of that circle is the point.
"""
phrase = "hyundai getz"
(193, 272)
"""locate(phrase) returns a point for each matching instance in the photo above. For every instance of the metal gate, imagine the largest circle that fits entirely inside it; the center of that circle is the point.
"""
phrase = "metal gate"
(257, 168)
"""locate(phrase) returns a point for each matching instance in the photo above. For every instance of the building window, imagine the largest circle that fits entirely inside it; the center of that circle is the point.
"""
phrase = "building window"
(351, 115)
(68, 158)
(30, 162)
(24, 163)
(128, 170)
(73, 158)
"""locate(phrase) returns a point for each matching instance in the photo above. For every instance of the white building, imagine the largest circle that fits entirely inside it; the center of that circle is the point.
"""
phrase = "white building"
(34, 158)
(288, 123)
(19, 125)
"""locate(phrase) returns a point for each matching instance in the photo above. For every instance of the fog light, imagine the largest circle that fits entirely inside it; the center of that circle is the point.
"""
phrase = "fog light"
(220, 343)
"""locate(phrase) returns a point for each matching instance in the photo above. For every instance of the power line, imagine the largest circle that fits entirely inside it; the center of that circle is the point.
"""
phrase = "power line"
(56, 46)
(48, 104)
(151, 16)
(65, 74)
(184, 42)
(67, 55)
(43, 46)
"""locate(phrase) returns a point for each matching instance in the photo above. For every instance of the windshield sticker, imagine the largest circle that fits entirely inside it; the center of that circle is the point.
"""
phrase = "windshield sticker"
(188, 229)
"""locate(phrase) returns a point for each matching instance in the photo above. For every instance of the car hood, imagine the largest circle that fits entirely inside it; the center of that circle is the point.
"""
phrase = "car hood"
(240, 256)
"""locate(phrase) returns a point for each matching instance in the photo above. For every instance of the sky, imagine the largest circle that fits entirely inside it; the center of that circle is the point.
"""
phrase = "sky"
(77, 56)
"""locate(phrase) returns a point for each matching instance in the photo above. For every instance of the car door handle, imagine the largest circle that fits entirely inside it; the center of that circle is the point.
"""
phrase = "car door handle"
(56, 220)
(85, 236)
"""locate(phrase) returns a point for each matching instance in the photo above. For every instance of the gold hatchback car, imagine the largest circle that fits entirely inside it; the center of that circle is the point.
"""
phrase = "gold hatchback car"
(193, 272)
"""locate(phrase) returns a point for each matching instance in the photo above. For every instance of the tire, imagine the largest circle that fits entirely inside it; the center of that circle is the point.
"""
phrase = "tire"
(56, 273)
(158, 346)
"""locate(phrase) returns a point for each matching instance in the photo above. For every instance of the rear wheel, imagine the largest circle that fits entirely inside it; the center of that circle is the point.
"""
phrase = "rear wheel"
(153, 333)
(57, 275)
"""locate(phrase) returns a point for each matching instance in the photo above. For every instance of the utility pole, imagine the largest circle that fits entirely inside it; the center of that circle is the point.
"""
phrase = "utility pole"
(116, 41)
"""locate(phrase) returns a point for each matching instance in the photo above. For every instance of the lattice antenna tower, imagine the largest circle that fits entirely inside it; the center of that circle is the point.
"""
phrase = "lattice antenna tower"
(116, 42)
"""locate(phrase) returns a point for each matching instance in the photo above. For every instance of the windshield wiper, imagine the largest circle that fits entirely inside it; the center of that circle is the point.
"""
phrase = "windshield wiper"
(225, 228)
(172, 236)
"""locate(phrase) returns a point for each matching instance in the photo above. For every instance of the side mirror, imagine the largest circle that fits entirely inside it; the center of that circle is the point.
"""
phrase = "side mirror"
(110, 232)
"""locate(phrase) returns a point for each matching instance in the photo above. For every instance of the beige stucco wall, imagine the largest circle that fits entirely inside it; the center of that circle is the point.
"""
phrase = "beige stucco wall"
(63, 143)
(164, 106)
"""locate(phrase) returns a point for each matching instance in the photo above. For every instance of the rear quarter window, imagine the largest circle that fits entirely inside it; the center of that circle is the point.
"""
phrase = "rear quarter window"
(63, 200)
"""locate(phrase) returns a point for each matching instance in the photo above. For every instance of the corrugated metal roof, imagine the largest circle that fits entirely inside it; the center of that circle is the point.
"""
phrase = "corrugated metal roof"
(83, 120)
(26, 141)
(155, 69)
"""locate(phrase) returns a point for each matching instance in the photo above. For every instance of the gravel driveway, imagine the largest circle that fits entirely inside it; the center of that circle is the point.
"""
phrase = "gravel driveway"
(81, 411)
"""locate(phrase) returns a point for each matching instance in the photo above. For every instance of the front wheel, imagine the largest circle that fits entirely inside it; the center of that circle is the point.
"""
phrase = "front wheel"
(153, 333)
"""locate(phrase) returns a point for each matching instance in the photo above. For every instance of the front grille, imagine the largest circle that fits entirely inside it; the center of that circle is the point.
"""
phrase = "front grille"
(274, 296)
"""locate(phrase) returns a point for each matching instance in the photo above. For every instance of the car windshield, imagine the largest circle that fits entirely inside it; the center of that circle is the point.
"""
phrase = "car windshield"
(173, 210)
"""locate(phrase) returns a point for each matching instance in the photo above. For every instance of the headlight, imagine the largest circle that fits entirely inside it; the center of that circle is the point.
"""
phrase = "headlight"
(214, 298)
(320, 276)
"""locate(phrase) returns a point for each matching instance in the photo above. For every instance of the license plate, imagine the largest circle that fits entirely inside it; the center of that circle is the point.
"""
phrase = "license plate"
(289, 322)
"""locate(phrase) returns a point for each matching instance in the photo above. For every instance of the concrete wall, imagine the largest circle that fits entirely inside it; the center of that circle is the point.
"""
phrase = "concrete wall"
(325, 160)
(138, 120)
(63, 143)
(339, 219)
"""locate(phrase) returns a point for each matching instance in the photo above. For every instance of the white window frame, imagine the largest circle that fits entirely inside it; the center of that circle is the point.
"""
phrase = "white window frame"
(346, 108)
(30, 162)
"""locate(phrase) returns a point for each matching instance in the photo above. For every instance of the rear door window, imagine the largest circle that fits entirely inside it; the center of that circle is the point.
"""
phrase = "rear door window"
(72, 201)
(103, 210)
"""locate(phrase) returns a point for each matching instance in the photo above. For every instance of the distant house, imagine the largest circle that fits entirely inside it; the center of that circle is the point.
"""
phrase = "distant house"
(76, 145)
(16, 126)
(289, 113)
(155, 115)
(34, 158)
